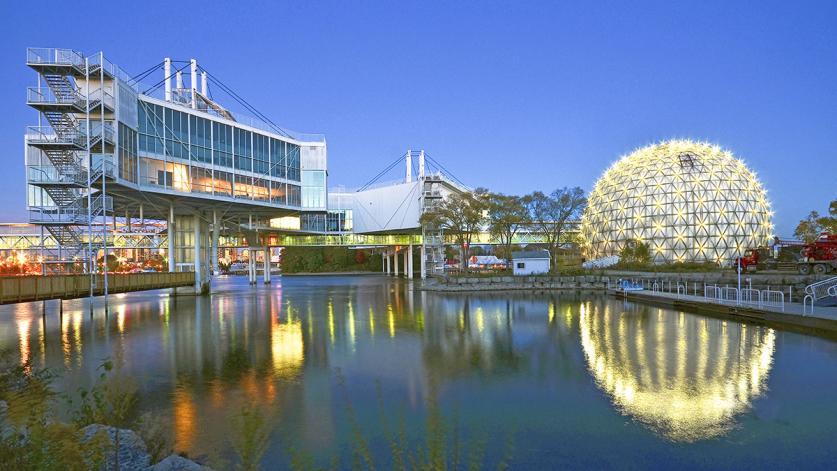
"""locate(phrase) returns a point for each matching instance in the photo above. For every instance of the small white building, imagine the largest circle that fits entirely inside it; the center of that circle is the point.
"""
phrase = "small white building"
(533, 262)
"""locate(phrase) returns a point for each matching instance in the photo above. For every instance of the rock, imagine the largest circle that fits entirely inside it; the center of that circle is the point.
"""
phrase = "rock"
(176, 462)
(132, 452)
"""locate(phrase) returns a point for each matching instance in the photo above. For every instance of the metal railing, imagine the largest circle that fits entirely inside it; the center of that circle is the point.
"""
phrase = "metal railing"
(772, 298)
(73, 214)
(103, 163)
(750, 296)
(728, 294)
(100, 96)
(43, 95)
(50, 174)
(47, 135)
(816, 291)
(49, 55)
(712, 292)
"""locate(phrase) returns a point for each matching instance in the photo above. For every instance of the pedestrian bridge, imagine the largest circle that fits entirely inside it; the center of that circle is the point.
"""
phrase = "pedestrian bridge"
(28, 238)
(16, 289)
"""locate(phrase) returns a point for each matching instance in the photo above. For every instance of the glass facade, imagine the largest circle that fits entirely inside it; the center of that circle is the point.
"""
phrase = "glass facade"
(180, 151)
(128, 164)
(313, 189)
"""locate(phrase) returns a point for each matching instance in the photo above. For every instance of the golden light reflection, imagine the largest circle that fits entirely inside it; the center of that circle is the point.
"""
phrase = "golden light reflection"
(23, 326)
(120, 318)
(351, 320)
(185, 419)
(330, 309)
(371, 322)
(687, 379)
(391, 320)
(287, 349)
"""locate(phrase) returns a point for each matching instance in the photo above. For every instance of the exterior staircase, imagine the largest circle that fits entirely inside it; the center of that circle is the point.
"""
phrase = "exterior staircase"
(57, 153)
(433, 238)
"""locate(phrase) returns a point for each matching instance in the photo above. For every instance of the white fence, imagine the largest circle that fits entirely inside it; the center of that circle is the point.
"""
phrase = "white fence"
(729, 295)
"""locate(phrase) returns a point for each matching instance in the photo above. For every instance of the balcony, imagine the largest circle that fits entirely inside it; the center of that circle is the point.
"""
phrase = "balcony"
(42, 96)
(46, 136)
(49, 175)
(58, 215)
(37, 56)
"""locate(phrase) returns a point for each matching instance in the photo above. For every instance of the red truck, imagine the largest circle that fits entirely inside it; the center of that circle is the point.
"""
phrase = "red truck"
(819, 256)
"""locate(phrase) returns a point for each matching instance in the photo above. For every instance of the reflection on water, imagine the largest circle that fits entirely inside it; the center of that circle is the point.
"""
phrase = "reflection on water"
(580, 379)
(685, 376)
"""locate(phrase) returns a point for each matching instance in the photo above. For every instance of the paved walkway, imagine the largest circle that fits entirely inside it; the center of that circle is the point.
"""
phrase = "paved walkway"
(793, 311)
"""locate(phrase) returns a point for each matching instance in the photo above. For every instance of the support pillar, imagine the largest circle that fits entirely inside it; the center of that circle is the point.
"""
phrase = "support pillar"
(198, 267)
(395, 259)
(409, 262)
(422, 264)
(406, 264)
(267, 265)
(387, 262)
(170, 230)
(216, 233)
(251, 265)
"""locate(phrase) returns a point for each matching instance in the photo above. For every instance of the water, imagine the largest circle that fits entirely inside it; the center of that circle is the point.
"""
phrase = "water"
(536, 380)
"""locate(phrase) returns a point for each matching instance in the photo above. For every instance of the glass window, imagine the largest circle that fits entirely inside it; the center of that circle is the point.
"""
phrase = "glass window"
(260, 189)
(293, 161)
(222, 144)
(261, 160)
(201, 180)
(243, 149)
(153, 172)
(277, 158)
(243, 187)
(200, 148)
(278, 192)
(151, 129)
(293, 195)
(223, 183)
(177, 134)
(313, 189)
(127, 153)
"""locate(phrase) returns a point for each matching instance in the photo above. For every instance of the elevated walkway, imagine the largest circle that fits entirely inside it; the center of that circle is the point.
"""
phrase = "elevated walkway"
(16, 289)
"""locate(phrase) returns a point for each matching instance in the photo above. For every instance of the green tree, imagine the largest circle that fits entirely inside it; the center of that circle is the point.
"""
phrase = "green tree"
(552, 215)
(635, 251)
(461, 215)
(507, 214)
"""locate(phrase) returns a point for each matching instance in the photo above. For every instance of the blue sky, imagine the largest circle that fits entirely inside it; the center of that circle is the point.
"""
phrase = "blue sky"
(513, 96)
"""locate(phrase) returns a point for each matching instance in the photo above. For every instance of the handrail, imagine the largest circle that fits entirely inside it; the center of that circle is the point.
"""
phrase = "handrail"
(51, 174)
(43, 95)
(50, 55)
(821, 288)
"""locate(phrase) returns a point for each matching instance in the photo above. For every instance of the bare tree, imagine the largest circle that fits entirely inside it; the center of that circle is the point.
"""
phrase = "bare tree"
(461, 215)
(506, 216)
(551, 215)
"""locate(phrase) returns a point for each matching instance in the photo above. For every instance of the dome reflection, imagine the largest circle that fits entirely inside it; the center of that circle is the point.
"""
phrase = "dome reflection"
(686, 377)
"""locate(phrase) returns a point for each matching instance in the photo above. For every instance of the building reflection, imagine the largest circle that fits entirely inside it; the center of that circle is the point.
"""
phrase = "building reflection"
(201, 359)
(686, 377)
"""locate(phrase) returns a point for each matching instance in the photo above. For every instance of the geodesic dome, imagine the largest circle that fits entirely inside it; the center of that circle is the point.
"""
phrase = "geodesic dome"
(688, 201)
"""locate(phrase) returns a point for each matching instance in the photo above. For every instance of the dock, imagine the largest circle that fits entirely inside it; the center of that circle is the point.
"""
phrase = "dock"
(822, 322)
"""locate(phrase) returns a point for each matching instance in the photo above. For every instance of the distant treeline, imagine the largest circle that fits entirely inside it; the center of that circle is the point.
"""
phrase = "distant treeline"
(328, 259)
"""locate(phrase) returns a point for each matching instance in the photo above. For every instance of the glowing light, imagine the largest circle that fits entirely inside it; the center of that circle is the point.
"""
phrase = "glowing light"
(287, 349)
(689, 200)
(653, 385)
